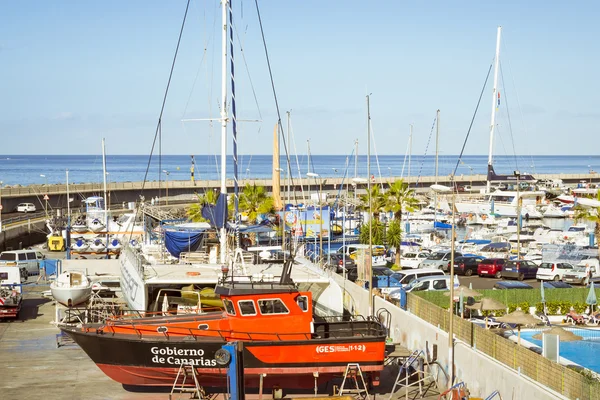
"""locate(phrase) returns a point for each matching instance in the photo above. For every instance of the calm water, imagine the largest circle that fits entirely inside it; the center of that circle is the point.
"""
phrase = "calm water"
(583, 352)
(26, 170)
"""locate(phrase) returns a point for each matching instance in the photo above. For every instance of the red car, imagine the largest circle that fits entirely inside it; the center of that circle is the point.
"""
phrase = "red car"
(491, 267)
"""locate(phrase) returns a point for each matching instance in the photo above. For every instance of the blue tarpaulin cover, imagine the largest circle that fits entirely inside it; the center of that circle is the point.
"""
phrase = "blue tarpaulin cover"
(180, 241)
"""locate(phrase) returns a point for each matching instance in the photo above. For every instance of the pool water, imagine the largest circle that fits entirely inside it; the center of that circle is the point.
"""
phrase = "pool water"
(584, 352)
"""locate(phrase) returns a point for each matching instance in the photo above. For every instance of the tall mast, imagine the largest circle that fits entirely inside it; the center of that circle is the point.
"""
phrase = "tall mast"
(223, 232)
(234, 126)
(289, 166)
(370, 255)
(356, 158)
(437, 143)
(409, 152)
(494, 102)
(104, 175)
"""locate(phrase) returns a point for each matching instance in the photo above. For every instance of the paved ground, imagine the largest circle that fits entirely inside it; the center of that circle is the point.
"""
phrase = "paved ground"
(34, 368)
(488, 283)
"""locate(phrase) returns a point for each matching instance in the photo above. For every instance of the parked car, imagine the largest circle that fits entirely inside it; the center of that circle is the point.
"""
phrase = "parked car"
(352, 273)
(467, 265)
(29, 259)
(439, 260)
(583, 273)
(432, 283)
(412, 260)
(512, 285)
(26, 207)
(406, 277)
(337, 262)
(491, 267)
(553, 271)
(521, 269)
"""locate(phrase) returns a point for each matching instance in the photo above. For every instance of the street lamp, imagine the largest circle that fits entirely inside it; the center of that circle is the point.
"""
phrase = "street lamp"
(45, 195)
(313, 175)
(167, 185)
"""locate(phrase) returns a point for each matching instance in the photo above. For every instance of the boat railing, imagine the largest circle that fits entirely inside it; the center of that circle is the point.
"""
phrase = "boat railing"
(322, 330)
(135, 257)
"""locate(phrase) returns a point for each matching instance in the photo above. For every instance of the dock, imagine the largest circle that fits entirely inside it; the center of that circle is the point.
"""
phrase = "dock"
(36, 368)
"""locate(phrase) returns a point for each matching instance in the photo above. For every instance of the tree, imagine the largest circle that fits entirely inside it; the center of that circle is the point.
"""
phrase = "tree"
(398, 197)
(377, 201)
(393, 237)
(378, 232)
(590, 214)
(254, 201)
(194, 212)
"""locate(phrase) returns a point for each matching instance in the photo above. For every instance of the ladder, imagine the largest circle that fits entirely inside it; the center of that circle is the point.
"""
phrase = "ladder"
(414, 372)
(353, 377)
(185, 372)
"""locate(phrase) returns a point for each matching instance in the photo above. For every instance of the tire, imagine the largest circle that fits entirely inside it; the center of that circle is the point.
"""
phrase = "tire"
(468, 272)
(521, 276)
(498, 275)
(556, 278)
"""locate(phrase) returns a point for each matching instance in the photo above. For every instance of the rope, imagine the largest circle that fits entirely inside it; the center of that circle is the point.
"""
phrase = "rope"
(462, 150)
(162, 109)
(512, 139)
(426, 148)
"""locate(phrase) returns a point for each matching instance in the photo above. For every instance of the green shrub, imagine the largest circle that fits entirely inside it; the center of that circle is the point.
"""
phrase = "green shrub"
(553, 307)
(580, 307)
(539, 308)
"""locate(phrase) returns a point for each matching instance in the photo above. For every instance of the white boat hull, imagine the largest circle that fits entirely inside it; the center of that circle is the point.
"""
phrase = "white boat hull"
(71, 296)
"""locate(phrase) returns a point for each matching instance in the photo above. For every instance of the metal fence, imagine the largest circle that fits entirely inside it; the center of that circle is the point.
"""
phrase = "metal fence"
(570, 383)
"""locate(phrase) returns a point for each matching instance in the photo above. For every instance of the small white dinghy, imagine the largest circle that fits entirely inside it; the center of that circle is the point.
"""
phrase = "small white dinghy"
(71, 288)
(96, 225)
(97, 245)
(114, 244)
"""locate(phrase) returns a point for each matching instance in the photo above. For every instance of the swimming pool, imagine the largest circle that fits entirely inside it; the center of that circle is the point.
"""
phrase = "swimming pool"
(583, 352)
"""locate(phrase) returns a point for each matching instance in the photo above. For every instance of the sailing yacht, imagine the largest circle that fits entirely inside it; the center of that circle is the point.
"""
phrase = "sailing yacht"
(148, 268)
(500, 202)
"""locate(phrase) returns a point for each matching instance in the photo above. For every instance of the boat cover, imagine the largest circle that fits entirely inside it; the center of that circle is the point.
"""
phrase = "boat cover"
(180, 241)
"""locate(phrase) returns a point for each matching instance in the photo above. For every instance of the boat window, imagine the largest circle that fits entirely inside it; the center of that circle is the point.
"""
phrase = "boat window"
(247, 307)
(302, 302)
(3, 276)
(229, 306)
(203, 327)
(272, 306)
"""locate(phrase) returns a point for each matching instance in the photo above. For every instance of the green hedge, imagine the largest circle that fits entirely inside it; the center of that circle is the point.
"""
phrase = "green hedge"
(556, 299)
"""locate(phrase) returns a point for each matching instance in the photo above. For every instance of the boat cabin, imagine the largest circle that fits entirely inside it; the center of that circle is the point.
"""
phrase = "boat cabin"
(267, 311)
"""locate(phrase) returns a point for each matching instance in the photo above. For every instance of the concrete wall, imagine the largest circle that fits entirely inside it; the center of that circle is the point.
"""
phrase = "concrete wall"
(481, 373)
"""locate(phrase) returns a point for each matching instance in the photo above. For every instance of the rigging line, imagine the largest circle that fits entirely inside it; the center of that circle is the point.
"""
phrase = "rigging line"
(519, 104)
(297, 164)
(248, 72)
(426, 148)
(339, 194)
(285, 145)
(462, 150)
(162, 109)
(512, 139)
(376, 155)
(204, 52)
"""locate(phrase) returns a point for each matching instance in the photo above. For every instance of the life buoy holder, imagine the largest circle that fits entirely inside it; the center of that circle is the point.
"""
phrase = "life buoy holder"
(484, 217)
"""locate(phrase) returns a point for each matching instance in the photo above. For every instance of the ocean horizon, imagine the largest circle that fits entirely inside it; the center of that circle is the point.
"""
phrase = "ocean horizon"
(51, 169)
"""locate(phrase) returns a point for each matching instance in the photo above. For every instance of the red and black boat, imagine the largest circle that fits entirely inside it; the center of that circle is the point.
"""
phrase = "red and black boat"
(272, 322)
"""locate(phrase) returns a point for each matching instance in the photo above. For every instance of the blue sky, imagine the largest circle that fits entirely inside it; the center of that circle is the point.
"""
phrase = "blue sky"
(72, 72)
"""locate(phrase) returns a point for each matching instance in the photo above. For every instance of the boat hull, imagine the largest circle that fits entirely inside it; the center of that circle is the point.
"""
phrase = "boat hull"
(71, 296)
(155, 361)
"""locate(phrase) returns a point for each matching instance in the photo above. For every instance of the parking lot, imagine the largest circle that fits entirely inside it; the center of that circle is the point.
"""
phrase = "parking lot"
(488, 283)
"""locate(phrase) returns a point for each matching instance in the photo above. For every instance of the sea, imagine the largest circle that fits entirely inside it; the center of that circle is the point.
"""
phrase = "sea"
(52, 169)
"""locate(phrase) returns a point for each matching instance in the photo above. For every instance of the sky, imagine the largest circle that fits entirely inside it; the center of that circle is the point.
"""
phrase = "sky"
(73, 72)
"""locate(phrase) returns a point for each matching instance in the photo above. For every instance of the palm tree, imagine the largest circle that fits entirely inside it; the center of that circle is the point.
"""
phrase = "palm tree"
(254, 201)
(393, 237)
(194, 212)
(377, 201)
(590, 214)
(398, 197)
(378, 232)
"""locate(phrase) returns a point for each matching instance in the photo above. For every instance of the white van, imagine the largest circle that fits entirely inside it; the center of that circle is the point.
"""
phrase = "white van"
(406, 277)
(30, 259)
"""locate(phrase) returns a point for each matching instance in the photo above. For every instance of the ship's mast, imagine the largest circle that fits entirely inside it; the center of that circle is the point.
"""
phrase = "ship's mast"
(223, 232)
(494, 102)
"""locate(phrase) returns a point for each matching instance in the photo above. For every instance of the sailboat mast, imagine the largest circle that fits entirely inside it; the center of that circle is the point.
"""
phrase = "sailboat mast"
(104, 175)
(236, 198)
(409, 152)
(437, 143)
(356, 158)
(223, 231)
(370, 255)
(494, 102)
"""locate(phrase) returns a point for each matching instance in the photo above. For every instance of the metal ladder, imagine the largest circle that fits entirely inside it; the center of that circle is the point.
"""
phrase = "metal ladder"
(353, 376)
(186, 371)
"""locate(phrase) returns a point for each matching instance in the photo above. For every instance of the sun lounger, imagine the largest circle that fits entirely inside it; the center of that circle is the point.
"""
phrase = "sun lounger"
(576, 319)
